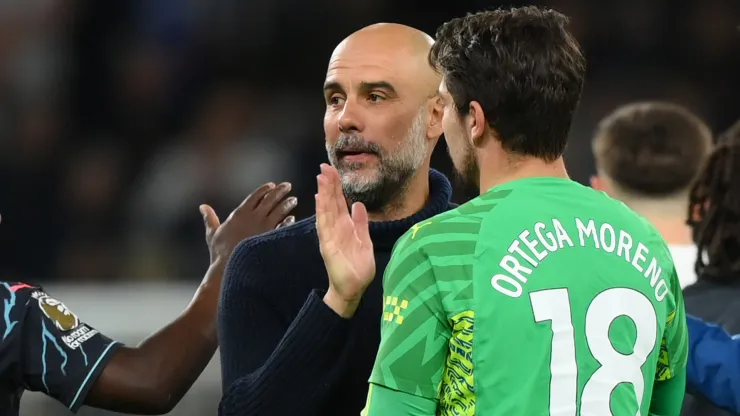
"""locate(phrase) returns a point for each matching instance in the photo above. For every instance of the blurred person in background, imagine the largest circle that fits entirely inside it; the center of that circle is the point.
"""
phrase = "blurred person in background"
(290, 343)
(29, 170)
(714, 215)
(647, 155)
(220, 160)
(47, 348)
(91, 209)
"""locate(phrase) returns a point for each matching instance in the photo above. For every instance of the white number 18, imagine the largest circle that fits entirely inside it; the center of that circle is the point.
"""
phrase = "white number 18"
(615, 368)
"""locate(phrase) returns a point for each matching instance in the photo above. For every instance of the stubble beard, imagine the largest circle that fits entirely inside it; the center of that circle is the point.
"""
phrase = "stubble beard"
(382, 188)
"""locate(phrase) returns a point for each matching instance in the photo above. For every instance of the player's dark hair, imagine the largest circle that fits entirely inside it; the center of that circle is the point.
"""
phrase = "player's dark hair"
(714, 210)
(654, 149)
(524, 69)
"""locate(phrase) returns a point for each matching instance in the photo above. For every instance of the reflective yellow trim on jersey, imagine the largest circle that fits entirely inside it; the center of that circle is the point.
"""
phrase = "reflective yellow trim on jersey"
(663, 370)
(670, 317)
(457, 394)
(416, 227)
(393, 309)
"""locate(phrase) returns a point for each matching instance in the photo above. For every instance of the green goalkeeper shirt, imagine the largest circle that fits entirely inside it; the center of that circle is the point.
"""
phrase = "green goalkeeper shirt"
(540, 297)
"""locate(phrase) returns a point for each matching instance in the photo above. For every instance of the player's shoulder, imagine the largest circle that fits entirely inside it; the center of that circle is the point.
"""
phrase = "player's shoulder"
(17, 294)
(19, 288)
(459, 224)
(16, 298)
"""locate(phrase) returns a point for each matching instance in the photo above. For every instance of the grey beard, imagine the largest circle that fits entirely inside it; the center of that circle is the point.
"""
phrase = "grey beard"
(379, 195)
(395, 168)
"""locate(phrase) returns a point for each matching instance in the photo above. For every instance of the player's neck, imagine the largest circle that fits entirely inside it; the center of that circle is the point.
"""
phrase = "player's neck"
(668, 216)
(409, 202)
(674, 231)
(671, 227)
(497, 172)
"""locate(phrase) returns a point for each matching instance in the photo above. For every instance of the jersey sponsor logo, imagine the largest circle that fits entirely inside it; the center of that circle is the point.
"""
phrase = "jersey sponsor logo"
(57, 312)
(77, 337)
(393, 309)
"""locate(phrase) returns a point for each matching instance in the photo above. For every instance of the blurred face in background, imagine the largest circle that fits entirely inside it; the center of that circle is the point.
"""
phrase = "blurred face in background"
(376, 120)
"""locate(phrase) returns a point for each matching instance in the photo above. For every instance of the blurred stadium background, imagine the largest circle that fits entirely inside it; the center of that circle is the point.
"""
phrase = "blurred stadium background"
(117, 118)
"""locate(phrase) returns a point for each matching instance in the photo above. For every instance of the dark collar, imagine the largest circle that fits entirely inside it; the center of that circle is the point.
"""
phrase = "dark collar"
(385, 234)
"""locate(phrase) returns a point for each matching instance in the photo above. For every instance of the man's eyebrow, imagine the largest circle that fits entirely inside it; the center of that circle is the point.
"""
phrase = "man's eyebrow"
(364, 87)
(332, 86)
(377, 85)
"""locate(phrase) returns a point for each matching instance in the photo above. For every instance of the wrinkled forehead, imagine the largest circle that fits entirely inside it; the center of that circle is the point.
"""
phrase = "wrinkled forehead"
(351, 65)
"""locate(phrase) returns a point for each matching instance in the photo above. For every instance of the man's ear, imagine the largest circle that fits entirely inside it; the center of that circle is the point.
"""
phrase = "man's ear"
(436, 111)
(476, 124)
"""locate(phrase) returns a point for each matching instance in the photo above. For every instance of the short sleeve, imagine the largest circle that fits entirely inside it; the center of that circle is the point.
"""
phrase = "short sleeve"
(62, 356)
(414, 329)
(382, 401)
(674, 346)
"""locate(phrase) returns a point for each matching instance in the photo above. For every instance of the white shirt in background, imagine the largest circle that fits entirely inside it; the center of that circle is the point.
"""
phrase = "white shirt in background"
(684, 259)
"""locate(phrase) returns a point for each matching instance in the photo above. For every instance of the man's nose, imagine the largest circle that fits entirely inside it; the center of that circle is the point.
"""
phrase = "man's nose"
(349, 120)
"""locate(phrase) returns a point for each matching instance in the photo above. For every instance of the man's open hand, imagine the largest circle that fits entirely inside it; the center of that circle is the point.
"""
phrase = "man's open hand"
(263, 210)
(344, 242)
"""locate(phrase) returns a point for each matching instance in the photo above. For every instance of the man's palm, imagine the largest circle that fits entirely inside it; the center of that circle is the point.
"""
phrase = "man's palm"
(344, 239)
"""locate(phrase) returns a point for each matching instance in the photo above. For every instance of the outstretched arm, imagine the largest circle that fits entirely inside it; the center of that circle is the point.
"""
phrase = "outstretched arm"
(153, 377)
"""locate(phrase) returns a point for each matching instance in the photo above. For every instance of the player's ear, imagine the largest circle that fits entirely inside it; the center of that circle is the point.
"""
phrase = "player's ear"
(597, 183)
(476, 123)
(436, 111)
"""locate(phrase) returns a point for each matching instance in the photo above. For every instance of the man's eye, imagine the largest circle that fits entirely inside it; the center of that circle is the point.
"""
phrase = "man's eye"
(336, 100)
(375, 97)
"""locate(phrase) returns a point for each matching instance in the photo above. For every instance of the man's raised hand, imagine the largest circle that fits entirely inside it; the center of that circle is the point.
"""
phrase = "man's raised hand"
(345, 245)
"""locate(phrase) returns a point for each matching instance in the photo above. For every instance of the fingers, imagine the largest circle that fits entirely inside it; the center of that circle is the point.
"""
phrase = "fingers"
(324, 216)
(209, 218)
(275, 206)
(362, 223)
(336, 192)
(280, 212)
(251, 201)
(269, 201)
(273, 197)
(286, 222)
(324, 200)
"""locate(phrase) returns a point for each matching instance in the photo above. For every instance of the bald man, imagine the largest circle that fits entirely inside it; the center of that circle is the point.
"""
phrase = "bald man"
(290, 343)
